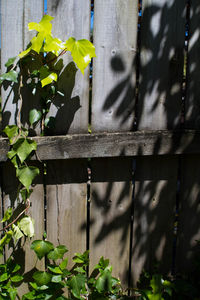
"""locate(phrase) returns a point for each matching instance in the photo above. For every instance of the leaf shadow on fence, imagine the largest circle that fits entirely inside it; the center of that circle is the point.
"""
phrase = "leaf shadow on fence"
(160, 184)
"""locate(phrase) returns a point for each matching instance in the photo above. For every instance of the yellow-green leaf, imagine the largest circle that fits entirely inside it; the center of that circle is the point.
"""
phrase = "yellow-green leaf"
(53, 45)
(43, 26)
(49, 79)
(26, 175)
(17, 232)
(82, 52)
(27, 226)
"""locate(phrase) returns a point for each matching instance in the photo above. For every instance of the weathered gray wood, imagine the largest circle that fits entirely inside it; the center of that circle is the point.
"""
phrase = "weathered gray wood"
(67, 204)
(111, 200)
(113, 144)
(154, 207)
(192, 107)
(161, 66)
(72, 18)
(11, 45)
(115, 36)
(188, 215)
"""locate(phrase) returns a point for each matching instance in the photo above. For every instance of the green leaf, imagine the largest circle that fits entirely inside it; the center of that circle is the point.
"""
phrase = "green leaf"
(104, 281)
(29, 296)
(76, 284)
(12, 132)
(57, 253)
(7, 215)
(55, 270)
(34, 116)
(156, 283)
(53, 45)
(56, 278)
(42, 278)
(9, 76)
(41, 248)
(6, 239)
(10, 61)
(26, 175)
(3, 277)
(63, 264)
(12, 293)
(16, 278)
(24, 147)
(81, 258)
(82, 52)
(26, 224)
(103, 263)
(17, 234)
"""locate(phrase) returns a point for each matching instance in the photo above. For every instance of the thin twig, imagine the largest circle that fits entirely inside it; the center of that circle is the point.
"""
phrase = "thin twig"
(21, 101)
(21, 213)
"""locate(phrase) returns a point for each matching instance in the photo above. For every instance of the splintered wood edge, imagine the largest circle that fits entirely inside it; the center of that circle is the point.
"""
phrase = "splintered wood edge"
(113, 144)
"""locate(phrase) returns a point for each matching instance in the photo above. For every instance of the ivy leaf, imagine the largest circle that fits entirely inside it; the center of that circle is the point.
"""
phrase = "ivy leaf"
(56, 278)
(9, 76)
(16, 278)
(82, 52)
(57, 253)
(34, 116)
(26, 175)
(41, 248)
(43, 26)
(7, 215)
(10, 61)
(104, 282)
(53, 45)
(12, 293)
(24, 147)
(3, 277)
(42, 278)
(63, 264)
(76, 284)
(26, 224)
(156, 284)
(17, 234)
(12, 132)
(55, 270)
(82, 258)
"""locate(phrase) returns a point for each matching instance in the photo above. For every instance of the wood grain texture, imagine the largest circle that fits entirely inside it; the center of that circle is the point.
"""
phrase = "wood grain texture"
(189, 214)
(192, 107)
(11, 44)
(72, 18)
(154, 208)
(111, 200)
(113, 144)
(115, 36)
(67, 204)
(161, 64)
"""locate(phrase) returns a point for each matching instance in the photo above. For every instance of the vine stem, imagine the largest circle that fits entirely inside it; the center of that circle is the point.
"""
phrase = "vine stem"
(21, 101)
(21, 213)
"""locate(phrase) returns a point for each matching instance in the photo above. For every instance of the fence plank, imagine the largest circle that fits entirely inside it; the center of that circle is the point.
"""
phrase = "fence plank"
(67, 204)
(192, 107)
(11, 45)
(115, 35)
(111, 200)
(189, 214)
(72, 18)
(161, 67)
(154, 206)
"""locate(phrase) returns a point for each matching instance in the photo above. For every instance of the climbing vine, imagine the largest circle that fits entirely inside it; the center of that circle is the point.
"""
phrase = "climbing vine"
(37, 68)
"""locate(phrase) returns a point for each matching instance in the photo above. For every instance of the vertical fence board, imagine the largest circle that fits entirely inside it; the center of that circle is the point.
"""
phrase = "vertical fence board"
(115, 35)
(66, 204)
(189, 214)
(192, 107)
(72, 18)
(111, 200)
(154, 206)
(11, 45)
(161, 66)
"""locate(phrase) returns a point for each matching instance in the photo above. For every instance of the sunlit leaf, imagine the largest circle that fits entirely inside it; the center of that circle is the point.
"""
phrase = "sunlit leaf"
(7, 215)
(16, 278)
(26, 224)
(104, 281)
(25, 52)
(63, 264)
(56, 278)
(53, 45)
(55, 270)
(26, 175)
(43, 26)
(6, 239)
(82, 51)
(41, 248)
(17, 232)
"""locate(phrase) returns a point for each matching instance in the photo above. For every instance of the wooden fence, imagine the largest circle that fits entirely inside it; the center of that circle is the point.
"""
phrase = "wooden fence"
(118, 190)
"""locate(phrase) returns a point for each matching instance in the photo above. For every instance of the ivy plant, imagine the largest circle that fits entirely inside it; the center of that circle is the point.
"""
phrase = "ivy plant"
(38, 68)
